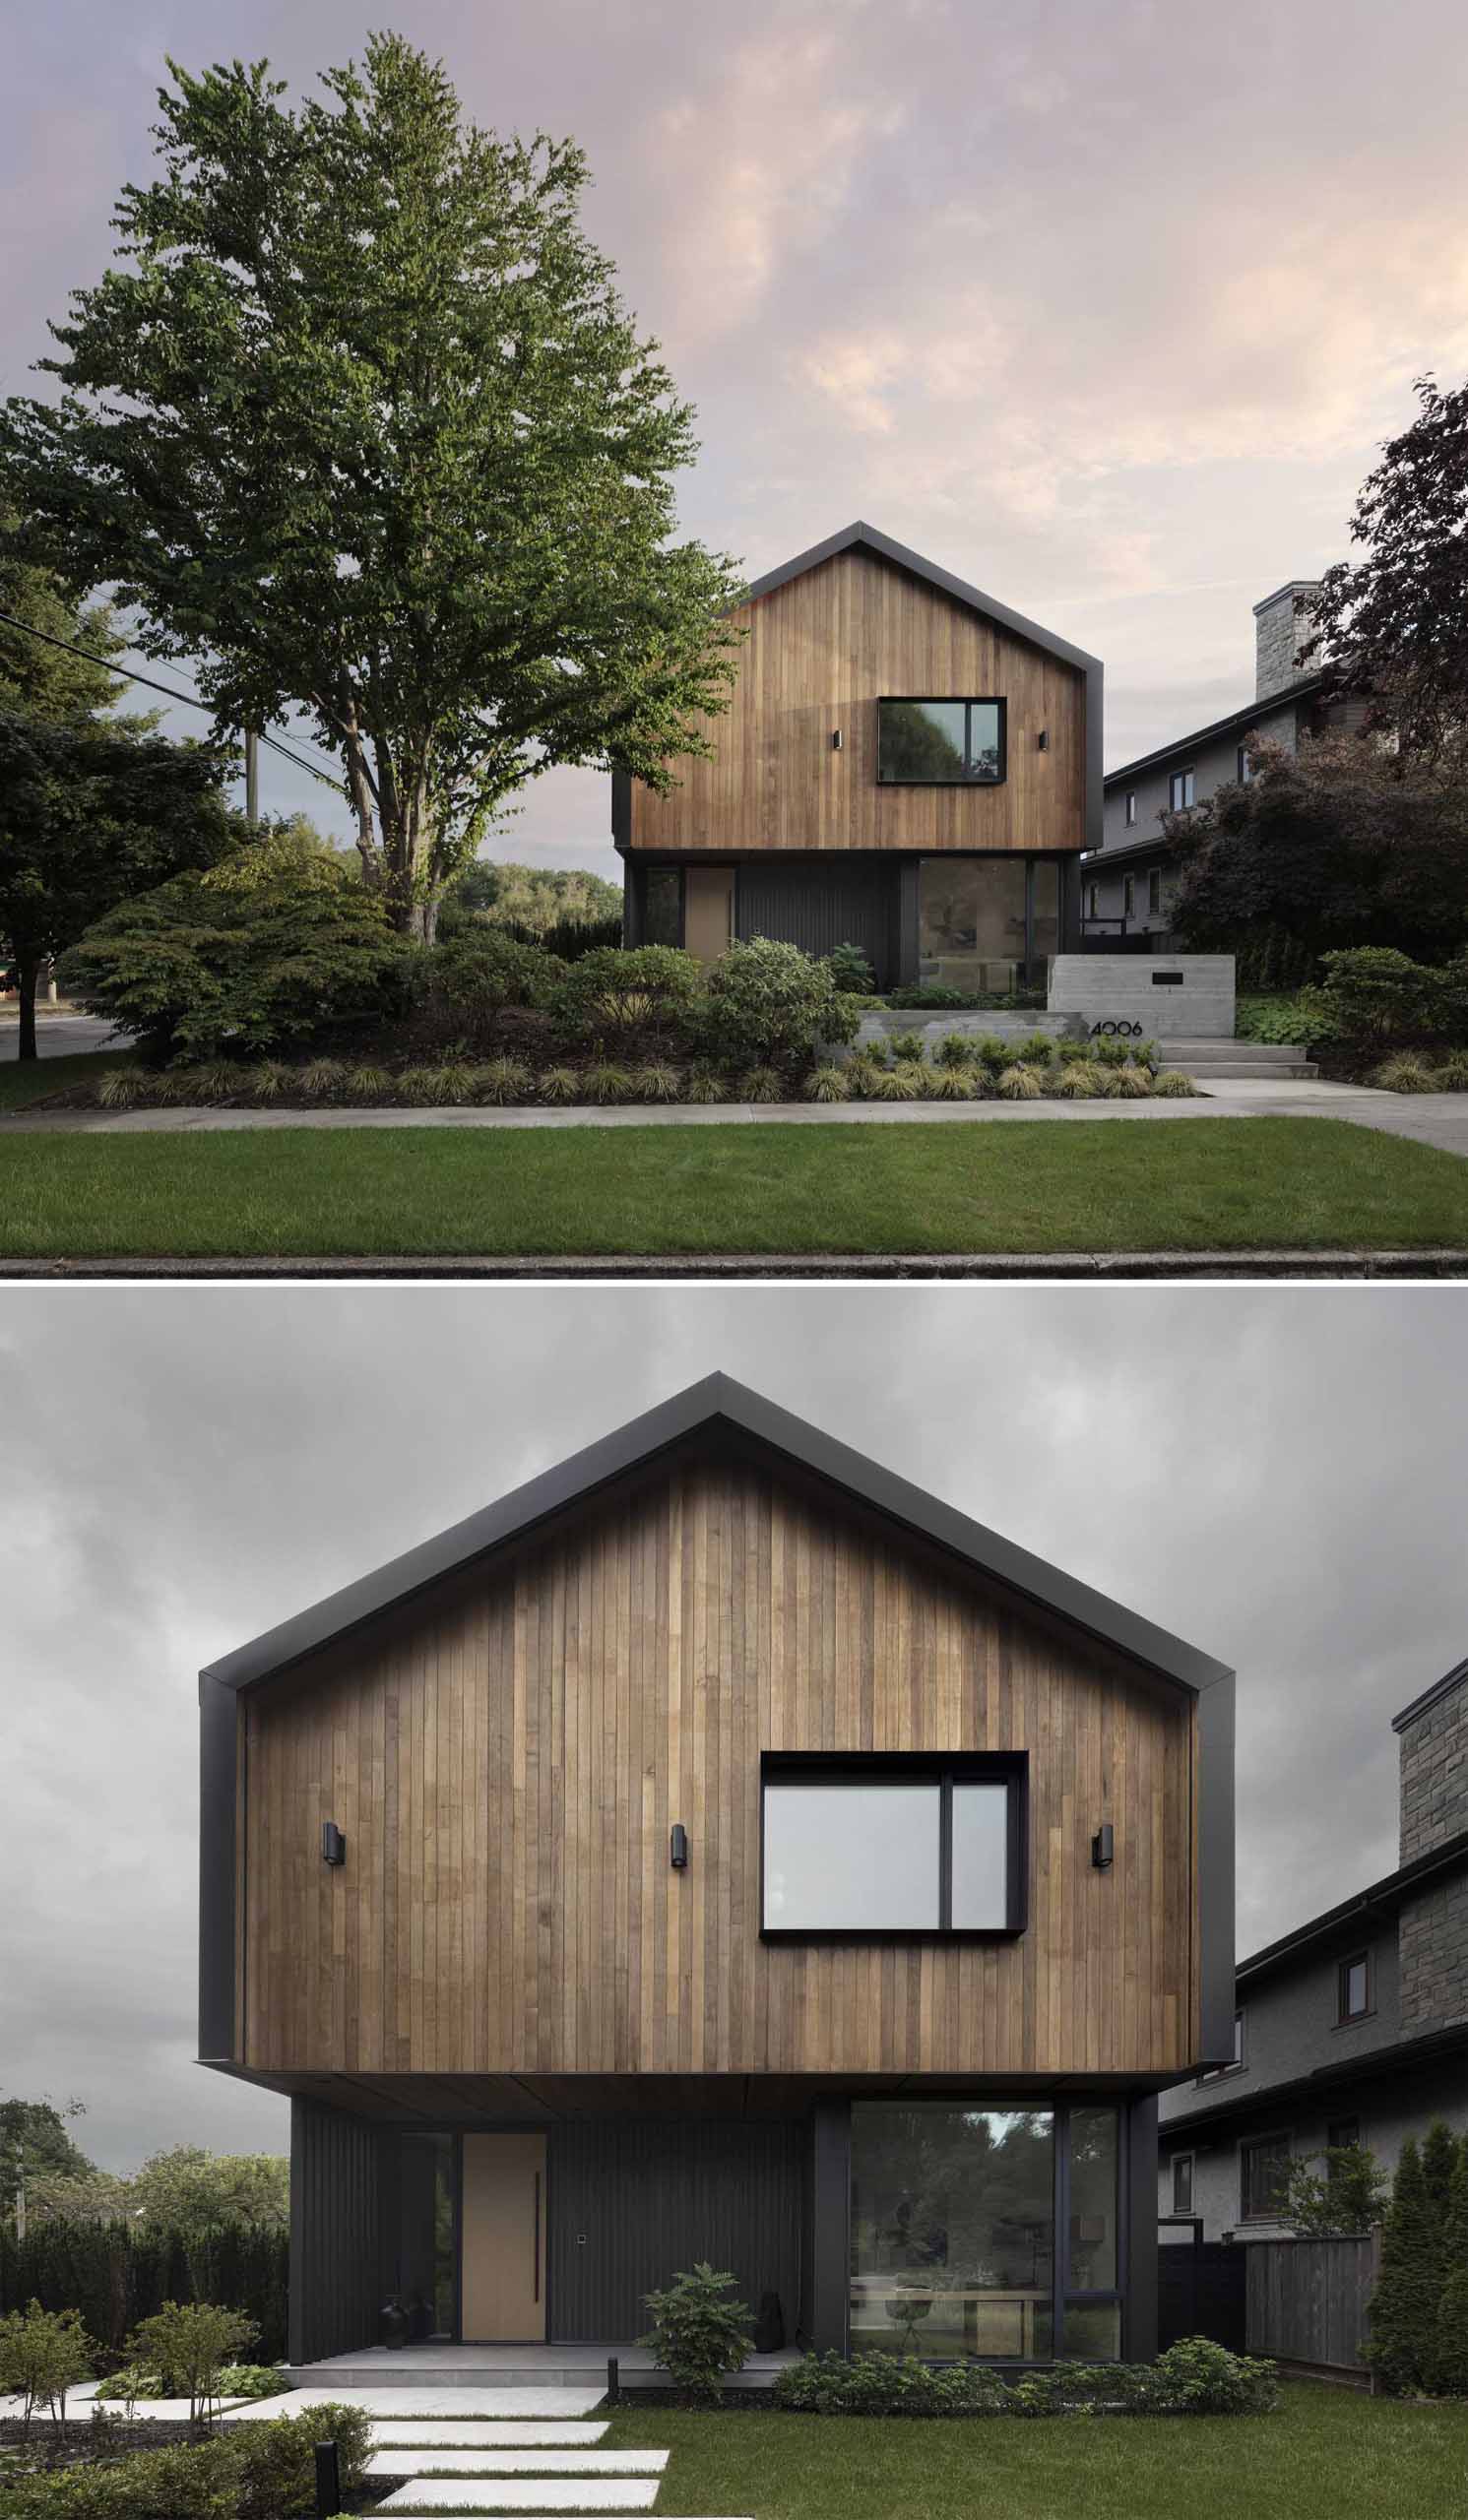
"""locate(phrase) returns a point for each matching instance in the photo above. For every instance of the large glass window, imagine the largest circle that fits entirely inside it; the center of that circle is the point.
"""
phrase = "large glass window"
(988, 924)
(423, 2276)
(952, 2230)
(662, 906)
(940, 743)
(1094, 2185)
(880, 1846)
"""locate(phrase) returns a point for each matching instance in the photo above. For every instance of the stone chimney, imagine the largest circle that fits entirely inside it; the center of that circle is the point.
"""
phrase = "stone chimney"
(1433, 1925)
(1282, 624)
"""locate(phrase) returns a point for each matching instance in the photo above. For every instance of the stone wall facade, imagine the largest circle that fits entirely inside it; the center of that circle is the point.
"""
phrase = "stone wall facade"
(1282, 624)
(1435, 1772)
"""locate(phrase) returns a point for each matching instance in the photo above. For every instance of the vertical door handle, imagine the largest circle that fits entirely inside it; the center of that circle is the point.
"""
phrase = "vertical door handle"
(536, 2240)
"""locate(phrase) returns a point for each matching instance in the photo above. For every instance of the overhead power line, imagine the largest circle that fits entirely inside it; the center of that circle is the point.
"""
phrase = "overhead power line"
(169, 691)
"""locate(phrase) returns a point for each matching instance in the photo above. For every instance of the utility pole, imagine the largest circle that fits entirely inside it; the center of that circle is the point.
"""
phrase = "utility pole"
(252, 777)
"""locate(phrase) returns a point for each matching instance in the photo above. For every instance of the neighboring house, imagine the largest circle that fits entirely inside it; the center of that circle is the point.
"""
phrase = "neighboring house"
(720, 1849)
(905, 764)
(1128, 890)
(1354, 2028)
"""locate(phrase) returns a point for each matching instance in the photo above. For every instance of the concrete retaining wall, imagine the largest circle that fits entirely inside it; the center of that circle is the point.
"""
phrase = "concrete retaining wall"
(1171, 997)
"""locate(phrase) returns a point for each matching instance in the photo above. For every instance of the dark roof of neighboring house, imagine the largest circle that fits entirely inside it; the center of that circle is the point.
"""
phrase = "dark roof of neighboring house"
(1096, 861)
(1444, 1688)
(717, 1403)
(1307, 688)
(852, 536)
(1366, 2065)
(1382, 1897)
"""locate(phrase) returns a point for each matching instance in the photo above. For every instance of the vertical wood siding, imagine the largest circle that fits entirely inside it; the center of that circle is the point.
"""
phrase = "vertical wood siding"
(821, 651)
(507, 1766)
(819, 907)
(635, 2200)
(334, 2239)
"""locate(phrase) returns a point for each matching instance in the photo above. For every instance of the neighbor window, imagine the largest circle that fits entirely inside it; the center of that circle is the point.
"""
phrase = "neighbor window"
(1246, 767)
(1128, 894)
(1130, 806)
(939, 743)
(1183, 2182)
(1353, 1988)
(1341, 2136)
(1212, 2072)
(1182, 790)
(1264, 2168)
(1154, 891)
(893, 1846)
(1093, 901)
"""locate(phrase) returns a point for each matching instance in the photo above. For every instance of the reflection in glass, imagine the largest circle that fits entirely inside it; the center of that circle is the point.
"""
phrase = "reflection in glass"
(662, 908)
(981, 1855)
(426, 2282)
(1045, 923)
(943, 743)
(1093, 2202)
(1093, 2331)
(970, 923)
(844, 1856)
(952, 2230)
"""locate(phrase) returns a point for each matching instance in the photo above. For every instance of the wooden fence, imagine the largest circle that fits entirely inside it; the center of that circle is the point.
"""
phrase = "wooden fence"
(1305, 2301)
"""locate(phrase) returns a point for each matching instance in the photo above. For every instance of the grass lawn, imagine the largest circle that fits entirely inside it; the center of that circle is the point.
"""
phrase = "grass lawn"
(1327, 2453)
(27, 1081)
(1173, 1185)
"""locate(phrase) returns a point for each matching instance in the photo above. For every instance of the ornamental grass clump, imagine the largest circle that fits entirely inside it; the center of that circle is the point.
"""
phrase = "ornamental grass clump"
(1452, 1075)
(1406, 1073)
(1170, 1083)
(117, 1091)
(604, 1082)
(699, 2331)
(762, 1085)
(1020, 1085)
(951, 1083)
(498, 1081)
(826, 1085)
(900, 1083)
(1134, 1084)
(559, 1085)
(704, 1084)
(322, 1079)
(365, 1083)
(657, 1082)
(1078, 1081)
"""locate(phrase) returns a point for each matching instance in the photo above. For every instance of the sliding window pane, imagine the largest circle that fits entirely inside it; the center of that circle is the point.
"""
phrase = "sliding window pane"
(984, 739)
(1093, 2200)
(981, 1855)
(850, 1857)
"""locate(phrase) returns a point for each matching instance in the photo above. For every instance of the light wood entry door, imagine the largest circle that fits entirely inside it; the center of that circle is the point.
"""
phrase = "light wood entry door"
(708, 910)
(503, 2219)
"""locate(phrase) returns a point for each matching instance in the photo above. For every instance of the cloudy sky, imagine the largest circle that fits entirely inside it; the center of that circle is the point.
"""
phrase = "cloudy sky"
(1277, 1474)
(1104, 307)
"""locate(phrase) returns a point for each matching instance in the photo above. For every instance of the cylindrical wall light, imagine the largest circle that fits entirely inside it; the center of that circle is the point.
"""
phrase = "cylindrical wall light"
(333, 1843)
(1103, 1848)
(677, 1849)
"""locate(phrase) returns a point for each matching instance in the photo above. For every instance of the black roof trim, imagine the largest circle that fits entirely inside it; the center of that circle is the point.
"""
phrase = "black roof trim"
(717, 1401)
(1444, 1688)
(1264, 2100)
(1307, 688)
(852, 536)
(1387, 1893)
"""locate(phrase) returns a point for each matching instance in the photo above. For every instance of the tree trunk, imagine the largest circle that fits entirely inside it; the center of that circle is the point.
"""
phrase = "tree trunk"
(29, 965)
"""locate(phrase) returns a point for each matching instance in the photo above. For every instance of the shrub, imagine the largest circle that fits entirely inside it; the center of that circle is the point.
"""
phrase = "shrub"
(906, 1048)
(42, 2354)
(271, 1078)
(559, 1085)
(1134, 1083)
(496, 1081)
(251, 2380)
(132, 2383)
(322, 1079)
(951, 1084)
(698, 2331)
(1268, 1018)
(850, 970)
(671, 983)
(1038, 1051)
(188, 2344)
(278, 2461)
(1374, 1000)
(657, 1082)
(761, 1085)
(901, 1084)
(117, 1091)
(1452, 1075)
(367, 1084)
(1404, 2307)
(1406, 1073)
(956, 1049)
(604, 1082)
(887, 2384)
(116, 2272)
(1078, 1081)
(1195, 2376)
(441, 1081)
(772, 1005)
(270, 948)
(1108, 1051)
(479, 971)
(993, 1053)
(1020, 1085)
(826, 1085)
(197, 2481)
(1171, 1082)
(704, 1084)
(931, 997)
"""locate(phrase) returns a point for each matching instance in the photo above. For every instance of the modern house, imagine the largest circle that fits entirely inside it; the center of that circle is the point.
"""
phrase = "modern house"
(907, 764)
(1354, 2028)
(1128, 889)
(720, 1849)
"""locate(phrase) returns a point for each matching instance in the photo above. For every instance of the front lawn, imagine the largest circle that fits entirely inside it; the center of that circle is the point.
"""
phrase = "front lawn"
(1327, 2453)
(27, 1081)
(1174, 1185)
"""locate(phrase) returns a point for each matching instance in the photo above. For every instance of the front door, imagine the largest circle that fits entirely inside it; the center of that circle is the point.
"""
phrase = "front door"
(504, 2224)
(708, 910)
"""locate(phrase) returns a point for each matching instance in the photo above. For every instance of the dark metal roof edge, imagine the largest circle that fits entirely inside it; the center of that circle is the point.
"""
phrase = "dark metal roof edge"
(851, 535)
(629, 1447)
(1449, 1856)
(1441, 1688)
(1304, 689)
(1397, 2055)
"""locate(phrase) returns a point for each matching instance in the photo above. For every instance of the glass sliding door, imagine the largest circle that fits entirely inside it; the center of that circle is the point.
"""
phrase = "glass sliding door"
(963, 2217)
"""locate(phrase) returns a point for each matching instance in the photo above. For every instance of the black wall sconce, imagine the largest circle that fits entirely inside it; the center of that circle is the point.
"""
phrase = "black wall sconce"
(1102, 1848)
(1041, 740)
(836, 741)
(677, 1849)
(333, 1843)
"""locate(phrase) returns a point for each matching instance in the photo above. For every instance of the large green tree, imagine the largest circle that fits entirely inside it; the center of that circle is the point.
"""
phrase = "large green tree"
(360, 424)
(189, 2189)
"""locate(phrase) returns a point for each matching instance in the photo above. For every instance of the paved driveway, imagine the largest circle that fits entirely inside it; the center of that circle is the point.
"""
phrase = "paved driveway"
(56, 1035)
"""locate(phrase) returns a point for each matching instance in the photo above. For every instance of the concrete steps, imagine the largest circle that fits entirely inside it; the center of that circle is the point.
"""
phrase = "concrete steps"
(484, 2496)
(491, 2461)
(389, 2432)
(1204, 1058)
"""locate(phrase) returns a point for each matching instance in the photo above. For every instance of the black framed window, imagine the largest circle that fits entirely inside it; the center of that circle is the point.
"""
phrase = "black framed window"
(1246, 767)
(1183, 2182)
(1093, 901)
(939, 743)
(1353, 1988)
(1263, 2164)
(1341, 2136)
(1182, 790)
(1235, 2062)
(662, 906)
(1130, 806)
(1154, 891)
(1128, 895)
(866, 1848)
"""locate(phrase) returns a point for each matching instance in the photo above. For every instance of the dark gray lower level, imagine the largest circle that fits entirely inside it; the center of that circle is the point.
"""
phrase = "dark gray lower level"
(860, 2241)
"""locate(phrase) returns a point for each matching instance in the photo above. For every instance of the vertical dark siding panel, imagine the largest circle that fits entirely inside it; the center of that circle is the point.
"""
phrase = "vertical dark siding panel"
(823, 906)
(334, 2232)
(650, 2197)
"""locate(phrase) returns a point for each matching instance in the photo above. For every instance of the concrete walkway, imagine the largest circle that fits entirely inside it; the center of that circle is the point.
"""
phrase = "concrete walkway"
(1432, 1120)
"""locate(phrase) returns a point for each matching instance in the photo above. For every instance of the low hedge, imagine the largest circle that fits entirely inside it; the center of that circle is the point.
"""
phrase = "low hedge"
(249, 2472)
(1194, 2376)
